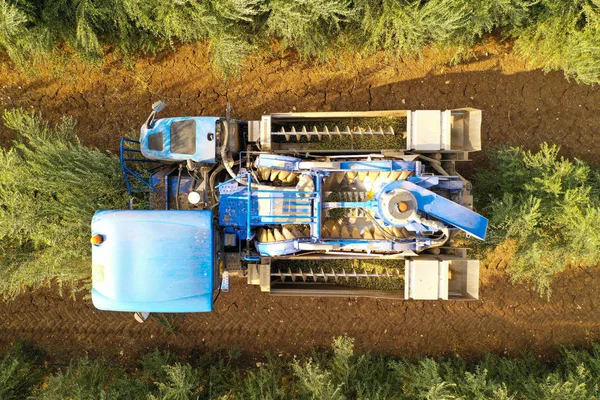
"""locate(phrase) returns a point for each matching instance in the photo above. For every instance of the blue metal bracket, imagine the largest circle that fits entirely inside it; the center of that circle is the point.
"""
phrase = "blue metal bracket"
(446, 210)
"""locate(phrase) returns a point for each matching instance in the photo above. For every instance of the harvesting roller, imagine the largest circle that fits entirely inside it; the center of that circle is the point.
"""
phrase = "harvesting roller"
(279, 199)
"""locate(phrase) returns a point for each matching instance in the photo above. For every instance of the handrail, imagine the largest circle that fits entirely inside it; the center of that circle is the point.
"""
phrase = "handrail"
(127, 171)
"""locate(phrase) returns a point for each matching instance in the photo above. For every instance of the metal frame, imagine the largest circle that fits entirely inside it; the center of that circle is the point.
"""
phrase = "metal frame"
(318, 171)
(330, 290)
(127, 171)
(440, 157)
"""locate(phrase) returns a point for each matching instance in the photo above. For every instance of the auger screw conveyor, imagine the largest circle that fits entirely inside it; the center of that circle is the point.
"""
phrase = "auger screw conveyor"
(319, 203)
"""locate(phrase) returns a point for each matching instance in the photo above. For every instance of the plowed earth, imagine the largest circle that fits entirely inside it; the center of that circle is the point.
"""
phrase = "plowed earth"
(509, 319)
(520, 107)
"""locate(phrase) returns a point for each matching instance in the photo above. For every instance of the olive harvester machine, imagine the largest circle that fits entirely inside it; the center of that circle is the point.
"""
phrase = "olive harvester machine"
(282, 200)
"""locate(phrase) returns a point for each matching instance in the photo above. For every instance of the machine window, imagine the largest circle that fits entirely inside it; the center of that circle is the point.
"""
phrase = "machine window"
(183, 137)
(155, 141)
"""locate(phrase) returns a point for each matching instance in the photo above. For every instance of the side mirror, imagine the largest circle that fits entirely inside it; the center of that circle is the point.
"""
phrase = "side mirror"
(141, 317)
(156, 107)
(159, 106)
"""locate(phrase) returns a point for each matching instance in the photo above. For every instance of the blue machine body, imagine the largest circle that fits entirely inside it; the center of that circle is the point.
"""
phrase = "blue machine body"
(246, 209)
(171, 182)
(154, 261)
(242, 208)
(270, 205)
(446, 210)
(180, 139)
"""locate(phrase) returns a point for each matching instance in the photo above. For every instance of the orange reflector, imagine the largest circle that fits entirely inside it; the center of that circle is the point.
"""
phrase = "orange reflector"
(97, 239)
(402, 206)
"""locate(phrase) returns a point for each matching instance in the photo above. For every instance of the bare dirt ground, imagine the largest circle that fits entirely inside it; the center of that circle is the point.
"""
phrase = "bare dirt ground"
(520, 106)
(509, 319)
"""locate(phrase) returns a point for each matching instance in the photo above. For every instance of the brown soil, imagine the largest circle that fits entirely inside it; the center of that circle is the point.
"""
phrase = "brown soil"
(521, 107)
(508, 320)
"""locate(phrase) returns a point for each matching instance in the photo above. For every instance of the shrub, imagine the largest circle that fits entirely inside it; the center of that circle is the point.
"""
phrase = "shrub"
(342, 374)
(18, 375)
(560, 34)
(152, 365)
(316, 382)
(50, 186)
(547, 205)
(90, 380)
(183, 382)
(265, 382)
(228, 54)
(565, 35)
(307, 25)
(29, 28)
(405, 27)
(21, 42)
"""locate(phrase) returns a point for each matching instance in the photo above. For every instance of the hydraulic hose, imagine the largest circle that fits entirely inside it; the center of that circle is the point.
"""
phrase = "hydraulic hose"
(225, 161)
(224, 158)
(211, 181)
(177, 190)
(440, 227)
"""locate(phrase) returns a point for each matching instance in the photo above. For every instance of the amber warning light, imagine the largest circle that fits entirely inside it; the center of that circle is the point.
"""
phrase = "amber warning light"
(97, 239)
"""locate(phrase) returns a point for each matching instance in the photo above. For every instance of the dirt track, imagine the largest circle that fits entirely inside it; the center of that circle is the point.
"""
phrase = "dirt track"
(508, 320)
(520, 107)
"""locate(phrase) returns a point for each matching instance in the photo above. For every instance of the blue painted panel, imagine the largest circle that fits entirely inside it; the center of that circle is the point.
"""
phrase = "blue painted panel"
(233, 210)
(384, 165)
(446, 210)
(155, 261)
(205, 149)
(443, 182)
(424, 181)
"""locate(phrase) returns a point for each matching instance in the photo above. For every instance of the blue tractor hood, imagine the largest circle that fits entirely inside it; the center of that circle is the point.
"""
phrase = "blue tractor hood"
(154, 261)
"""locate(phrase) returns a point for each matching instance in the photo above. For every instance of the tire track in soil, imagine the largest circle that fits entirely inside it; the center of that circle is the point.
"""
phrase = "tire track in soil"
(520, 107)
(509, 319)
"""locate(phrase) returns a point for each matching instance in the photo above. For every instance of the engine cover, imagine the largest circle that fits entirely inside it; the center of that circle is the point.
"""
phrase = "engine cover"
(153, 261)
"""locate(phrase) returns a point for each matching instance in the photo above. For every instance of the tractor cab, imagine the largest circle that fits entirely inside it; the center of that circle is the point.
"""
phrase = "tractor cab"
(180, 139)
(173, 140)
